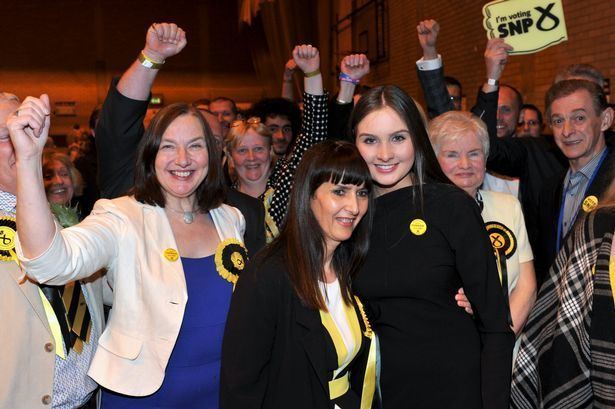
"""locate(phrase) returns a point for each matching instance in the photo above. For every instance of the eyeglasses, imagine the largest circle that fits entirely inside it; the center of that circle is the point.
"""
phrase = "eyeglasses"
(253, 121)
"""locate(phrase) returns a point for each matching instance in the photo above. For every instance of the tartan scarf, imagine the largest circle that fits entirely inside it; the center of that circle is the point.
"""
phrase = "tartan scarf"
(567, 355)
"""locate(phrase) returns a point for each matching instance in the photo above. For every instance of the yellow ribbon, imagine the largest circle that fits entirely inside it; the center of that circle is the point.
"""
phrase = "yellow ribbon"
(369, 379)
(54, 325)
(339, 386)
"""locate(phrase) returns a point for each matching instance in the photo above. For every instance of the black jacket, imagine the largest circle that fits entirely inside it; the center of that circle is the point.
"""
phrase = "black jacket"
(276, 353)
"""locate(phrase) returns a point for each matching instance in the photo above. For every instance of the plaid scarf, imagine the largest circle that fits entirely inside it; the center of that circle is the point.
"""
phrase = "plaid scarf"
(567, 353)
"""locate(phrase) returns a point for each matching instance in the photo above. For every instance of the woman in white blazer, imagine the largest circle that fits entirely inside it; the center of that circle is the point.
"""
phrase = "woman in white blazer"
(172, 252)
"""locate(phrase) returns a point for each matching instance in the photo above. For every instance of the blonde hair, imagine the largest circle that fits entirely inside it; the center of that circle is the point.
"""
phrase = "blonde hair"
(453, 124)
(240, 128)
(75, 176)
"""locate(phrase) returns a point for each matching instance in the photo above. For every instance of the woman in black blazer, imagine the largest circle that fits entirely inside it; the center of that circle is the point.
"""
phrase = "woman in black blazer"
(295, 336)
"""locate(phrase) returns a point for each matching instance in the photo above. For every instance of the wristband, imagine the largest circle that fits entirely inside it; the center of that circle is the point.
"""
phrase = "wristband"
(347, 78)
(312, 73)
(491, 81)
(148, 62)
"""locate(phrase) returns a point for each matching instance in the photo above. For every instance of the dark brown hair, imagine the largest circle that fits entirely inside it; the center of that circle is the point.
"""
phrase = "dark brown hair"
(568, 87)
(426, 166)
(147, 189)
(302, 240)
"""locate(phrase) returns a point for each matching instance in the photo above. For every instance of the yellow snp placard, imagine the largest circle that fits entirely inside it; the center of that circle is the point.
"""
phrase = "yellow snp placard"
(527, 25)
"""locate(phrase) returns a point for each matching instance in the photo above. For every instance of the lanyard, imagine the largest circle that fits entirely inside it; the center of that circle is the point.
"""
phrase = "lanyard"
(560, 219)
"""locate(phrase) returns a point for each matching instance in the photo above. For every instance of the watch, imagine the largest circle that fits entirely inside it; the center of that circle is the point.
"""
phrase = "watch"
(491, 81)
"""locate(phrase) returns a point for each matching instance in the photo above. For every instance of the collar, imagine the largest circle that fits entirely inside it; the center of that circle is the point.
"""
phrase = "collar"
(8, 201)
(589, 169)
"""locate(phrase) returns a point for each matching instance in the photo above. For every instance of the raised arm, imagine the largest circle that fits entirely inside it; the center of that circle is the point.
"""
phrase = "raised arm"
(162, 41)
(121, 120)
(507, 156)
(288, 90)
(486, 108)
(29, 129)
(430, 71)
(313, 130)
(352, 69)
(307, 59)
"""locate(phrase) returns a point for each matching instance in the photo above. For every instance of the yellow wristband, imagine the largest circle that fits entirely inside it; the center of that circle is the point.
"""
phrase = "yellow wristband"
(148, 62)
(312, 73)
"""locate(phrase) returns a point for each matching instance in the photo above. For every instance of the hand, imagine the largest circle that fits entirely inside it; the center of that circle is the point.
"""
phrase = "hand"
(29, 127)
(164, 40)
(307, 58)
(428, 35)
(462, 301)
(496, 56)
(289, 69)
(355, 65)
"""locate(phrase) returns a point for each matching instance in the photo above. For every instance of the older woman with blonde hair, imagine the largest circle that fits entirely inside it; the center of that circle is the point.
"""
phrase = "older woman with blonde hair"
(461, 143)
(248, 149)
(62, 179)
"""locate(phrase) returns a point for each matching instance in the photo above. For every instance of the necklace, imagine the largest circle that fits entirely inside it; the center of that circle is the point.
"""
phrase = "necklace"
(188, 215)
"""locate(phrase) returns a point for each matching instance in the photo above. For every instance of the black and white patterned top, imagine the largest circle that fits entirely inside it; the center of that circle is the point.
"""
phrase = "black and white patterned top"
(314, 122)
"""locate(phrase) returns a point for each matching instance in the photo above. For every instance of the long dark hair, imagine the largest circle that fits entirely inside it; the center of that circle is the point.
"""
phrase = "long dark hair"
(302, 240)
(147, 189)
(426, 167)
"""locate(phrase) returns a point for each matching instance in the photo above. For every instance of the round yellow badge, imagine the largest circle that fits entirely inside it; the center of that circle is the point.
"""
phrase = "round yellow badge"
(590, 203)
(418, 227)
(7, 238)
(171, 254)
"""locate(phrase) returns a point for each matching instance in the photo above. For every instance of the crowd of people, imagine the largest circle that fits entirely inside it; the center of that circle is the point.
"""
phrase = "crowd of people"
(359, 252)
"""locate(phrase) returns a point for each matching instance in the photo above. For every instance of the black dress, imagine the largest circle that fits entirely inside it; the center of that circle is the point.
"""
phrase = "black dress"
(433, 353)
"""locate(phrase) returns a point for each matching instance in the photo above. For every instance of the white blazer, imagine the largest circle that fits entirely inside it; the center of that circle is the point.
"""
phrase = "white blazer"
(129, 239)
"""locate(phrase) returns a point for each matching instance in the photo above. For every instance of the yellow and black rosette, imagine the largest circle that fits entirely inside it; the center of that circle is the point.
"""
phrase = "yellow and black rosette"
(502, 238)
(8, 229)
(231, 258)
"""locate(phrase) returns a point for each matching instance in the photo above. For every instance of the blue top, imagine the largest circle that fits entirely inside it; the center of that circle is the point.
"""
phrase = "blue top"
(192, 377)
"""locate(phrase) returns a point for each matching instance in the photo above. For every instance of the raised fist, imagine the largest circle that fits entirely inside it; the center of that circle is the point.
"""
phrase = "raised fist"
(164, 40)
(29, 127)
(496, 56)
(307, 58)
(356, 66)
(428, 34)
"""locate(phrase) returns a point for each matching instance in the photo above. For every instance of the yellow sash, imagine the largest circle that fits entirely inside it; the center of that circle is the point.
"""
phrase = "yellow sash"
(339, 386)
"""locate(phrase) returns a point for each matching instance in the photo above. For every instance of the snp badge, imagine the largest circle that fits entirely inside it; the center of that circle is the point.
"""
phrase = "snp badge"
(8, 227)
(418, 227)
(171, 254)
(231, 257)
(590, 203)
(503, 240)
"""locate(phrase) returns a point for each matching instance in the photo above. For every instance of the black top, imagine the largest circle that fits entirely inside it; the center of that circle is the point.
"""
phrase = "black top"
(434, 354)
(276, 353)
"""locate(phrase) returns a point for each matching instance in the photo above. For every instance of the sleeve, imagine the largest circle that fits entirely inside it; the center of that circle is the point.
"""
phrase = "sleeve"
(313, 130)
(523, 243)
(507, 156)
(486, 108)
(338, 121)
(477, 269)
(435, 92)
(248, 339)
(77, 252)
(118, 133)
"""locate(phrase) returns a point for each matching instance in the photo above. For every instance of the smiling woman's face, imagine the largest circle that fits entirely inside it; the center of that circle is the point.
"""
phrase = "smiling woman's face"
(58, 183)
(385, 143)
(182, 161)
